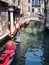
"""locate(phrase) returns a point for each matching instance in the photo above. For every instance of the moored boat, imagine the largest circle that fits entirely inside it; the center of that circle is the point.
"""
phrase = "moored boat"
(7, 56)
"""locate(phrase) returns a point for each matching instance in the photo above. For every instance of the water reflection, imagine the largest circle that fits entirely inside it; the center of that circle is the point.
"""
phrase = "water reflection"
(34, 50)
(33, 57)
(45, 57)
(34, 47)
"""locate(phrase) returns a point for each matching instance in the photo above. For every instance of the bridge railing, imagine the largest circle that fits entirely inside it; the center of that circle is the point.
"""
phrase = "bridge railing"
(33, 17)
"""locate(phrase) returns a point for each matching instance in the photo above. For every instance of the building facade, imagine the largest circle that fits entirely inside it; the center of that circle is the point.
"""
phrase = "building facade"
(35, 6)
(8, 10)
(31, 6)
(3, 17)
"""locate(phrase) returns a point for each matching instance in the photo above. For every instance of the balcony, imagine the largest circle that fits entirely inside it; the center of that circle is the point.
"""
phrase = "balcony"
(34, 5)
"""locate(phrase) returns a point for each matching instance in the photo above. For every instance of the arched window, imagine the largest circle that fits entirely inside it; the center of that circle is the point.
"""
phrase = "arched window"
(32, 1)
(28, 1)
(35, 2)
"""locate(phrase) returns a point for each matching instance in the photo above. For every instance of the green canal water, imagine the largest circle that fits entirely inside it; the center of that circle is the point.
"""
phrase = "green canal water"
(34, 46)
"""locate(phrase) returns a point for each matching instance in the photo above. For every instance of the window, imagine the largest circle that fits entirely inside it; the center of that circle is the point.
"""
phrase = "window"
(18, 2)
(28, 9)
(14, 1)
(42, 1)
(36, 2)
(28, 1)
(32, 10)
(39, 10)
(43, 10)
(32, 1)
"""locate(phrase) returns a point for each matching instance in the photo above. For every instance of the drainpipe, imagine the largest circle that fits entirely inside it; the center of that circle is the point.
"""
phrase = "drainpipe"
(39, 6)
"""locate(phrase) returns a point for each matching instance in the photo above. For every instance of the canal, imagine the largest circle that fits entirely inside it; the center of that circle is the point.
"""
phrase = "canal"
(34, 46)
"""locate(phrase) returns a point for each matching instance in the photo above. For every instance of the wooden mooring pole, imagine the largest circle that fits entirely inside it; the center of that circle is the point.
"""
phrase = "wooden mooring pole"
(45, 12)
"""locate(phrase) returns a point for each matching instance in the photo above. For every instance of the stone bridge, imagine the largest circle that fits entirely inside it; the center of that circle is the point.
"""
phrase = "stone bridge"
(33, 17)
(36, 18)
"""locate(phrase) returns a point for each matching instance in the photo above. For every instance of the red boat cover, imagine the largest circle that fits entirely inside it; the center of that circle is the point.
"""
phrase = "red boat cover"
(6, 56)
(11, 47)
